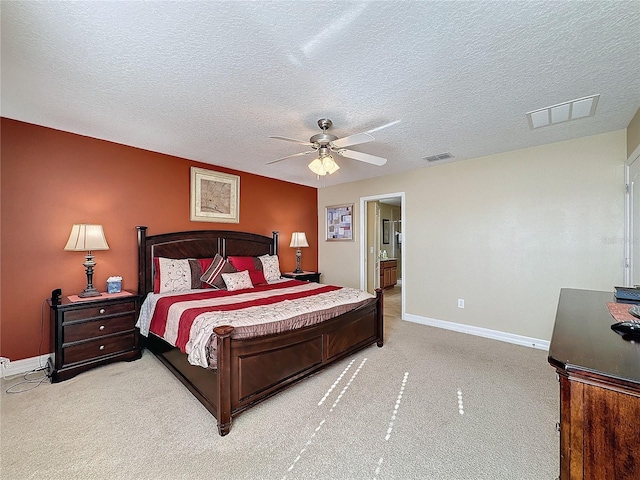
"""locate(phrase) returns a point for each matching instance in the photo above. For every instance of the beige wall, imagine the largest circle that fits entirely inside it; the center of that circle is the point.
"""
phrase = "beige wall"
(504, 232)
(633, 134)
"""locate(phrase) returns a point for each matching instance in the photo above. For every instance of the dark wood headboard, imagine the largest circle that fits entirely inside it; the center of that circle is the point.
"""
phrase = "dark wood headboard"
(197, 244)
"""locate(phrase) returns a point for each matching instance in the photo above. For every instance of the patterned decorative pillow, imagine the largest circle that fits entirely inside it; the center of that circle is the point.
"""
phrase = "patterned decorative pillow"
(270, 267)
(213, 275)
(196, 265)
(237, 281)
(174, 275)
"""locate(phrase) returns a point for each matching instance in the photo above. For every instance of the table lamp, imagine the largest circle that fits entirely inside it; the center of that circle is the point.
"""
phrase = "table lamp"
(298, 239)
(86, 238)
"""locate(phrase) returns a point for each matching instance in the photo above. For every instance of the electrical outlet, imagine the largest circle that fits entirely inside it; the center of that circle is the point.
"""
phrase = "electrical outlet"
(461, 303)
(4, 362)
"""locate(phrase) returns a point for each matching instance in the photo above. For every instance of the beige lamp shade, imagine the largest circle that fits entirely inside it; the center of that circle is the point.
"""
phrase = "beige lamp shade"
(298, 239)
(86, 237)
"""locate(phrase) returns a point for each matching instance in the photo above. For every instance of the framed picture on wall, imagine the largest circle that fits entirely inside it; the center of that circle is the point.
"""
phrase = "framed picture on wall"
(385, 231)
(339, 222)
(215, 196)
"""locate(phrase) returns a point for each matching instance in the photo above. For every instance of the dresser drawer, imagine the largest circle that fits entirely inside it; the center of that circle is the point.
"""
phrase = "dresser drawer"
(99, 311)
(97, 328)
(98, 348)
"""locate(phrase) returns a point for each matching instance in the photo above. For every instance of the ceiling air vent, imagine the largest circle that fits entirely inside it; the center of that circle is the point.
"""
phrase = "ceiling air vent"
(563, 112)
(437, 158)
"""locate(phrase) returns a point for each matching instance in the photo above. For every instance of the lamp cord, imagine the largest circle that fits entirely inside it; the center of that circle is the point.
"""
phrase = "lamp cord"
(26, 380)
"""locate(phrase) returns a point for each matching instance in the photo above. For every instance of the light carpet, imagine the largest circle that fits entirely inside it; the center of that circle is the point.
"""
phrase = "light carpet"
(430, 404)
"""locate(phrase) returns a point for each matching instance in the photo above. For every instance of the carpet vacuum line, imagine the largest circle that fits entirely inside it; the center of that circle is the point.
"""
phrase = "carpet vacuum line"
(335, 404)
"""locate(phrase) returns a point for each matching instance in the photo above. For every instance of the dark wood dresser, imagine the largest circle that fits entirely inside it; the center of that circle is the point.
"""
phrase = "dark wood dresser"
(599, 376)
(93, 332)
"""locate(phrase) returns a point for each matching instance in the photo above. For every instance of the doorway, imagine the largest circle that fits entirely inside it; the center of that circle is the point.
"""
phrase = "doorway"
(382, 230)
(632, 221)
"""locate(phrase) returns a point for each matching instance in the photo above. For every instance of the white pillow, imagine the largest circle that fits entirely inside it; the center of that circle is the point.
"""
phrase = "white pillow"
(270, 267)
(237, 281)
(175, 275)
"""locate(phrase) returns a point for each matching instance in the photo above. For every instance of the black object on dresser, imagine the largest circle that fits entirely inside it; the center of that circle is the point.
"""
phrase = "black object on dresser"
(93, 332)
(304, 276)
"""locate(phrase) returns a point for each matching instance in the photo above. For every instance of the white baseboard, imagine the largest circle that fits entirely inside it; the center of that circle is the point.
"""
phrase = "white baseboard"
(480, 332)
(26, 365)
(34, 363)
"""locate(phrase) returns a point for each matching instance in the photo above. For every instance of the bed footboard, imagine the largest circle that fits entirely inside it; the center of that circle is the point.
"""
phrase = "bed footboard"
(251, 370)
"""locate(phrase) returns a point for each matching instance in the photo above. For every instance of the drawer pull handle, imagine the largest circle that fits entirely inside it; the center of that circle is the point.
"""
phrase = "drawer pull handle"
(101, 327)
(101, 347)
(102, 310)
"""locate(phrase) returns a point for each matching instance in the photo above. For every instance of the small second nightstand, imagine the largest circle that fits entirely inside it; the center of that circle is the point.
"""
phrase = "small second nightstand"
(304, 276)
(93, 332)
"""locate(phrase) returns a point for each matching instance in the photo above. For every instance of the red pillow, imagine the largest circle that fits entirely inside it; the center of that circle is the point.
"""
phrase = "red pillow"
(252, 264)
(257, 277)
(243, 263)
(204, 263)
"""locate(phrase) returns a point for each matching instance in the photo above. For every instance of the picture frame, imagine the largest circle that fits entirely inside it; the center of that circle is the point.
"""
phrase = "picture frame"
(339, 222)
(215, 196)
(385, 231)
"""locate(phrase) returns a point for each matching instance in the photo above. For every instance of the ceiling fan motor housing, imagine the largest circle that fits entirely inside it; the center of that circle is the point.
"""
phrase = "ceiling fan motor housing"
(322, 139)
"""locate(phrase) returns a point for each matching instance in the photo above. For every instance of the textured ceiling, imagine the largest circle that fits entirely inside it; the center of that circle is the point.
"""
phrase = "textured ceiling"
(210, 81)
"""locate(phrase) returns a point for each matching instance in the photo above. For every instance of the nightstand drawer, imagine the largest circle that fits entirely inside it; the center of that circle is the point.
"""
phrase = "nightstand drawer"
(97, 328)
(99, 311)
(98, 348)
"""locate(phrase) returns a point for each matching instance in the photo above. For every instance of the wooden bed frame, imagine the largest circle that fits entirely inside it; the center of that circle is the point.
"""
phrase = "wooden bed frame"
(251, 370)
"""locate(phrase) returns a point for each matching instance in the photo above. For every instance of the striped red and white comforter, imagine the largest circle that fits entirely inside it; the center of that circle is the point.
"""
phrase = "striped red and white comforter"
(187, 319)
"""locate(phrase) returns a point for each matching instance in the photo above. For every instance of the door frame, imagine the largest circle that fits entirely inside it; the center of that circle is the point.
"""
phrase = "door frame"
(630, 277)
(363, 240)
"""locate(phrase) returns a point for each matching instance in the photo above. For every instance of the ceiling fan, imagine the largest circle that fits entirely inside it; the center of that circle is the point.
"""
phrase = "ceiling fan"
(326, 144)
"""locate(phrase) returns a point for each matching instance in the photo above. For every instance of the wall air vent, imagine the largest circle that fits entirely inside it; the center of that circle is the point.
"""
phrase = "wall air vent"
(437, 158)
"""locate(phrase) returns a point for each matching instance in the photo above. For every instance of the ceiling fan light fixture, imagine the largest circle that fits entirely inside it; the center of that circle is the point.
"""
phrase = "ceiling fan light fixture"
(329, 164)
(317, 168)
(323, 165)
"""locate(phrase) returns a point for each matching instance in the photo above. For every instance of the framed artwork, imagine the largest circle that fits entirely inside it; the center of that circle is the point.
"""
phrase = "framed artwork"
(339, 224)
(215, 196)
(385, 231)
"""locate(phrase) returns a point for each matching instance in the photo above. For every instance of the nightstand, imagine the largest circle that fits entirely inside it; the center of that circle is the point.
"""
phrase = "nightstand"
(93, 332)
(304, 276)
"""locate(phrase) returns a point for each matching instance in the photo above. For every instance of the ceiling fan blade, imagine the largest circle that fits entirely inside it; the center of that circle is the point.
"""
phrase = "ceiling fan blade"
(363, 157)
(356, 139)
(302, 142)
(290, 156)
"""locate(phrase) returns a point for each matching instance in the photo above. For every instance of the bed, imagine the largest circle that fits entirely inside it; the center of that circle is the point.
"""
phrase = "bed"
(249, 370)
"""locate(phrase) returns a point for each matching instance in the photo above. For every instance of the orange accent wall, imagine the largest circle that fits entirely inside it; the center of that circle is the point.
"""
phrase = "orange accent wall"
(52, 179)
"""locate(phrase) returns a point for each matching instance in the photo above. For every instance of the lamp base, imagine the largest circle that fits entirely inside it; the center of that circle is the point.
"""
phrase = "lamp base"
(298, 257)
(89, 292)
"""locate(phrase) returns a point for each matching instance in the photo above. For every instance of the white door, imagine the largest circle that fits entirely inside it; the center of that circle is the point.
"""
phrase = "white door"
(633, 222)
